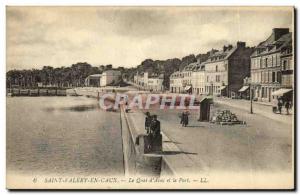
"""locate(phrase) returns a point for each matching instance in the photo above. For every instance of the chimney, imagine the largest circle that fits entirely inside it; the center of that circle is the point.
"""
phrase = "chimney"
(224, 48)
(278, 32)
(240, 44)
(229, 47)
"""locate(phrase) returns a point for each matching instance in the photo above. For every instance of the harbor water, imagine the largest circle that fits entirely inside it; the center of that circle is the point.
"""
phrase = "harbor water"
(62, 136)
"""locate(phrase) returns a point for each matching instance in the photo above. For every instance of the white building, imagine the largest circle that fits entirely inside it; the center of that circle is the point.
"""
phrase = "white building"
(190, 80)
(176, 82)
(106, 78)
(198, 80)
(110, 77)
(153, 82)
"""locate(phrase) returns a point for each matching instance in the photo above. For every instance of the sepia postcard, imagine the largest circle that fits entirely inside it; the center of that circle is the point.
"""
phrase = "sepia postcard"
(150, 97)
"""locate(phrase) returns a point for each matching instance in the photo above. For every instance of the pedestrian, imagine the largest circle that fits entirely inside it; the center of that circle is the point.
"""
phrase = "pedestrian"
(287, 106)
(182, 117)
(185, 118)
(279, 104)
(148, 120)
(155, 126)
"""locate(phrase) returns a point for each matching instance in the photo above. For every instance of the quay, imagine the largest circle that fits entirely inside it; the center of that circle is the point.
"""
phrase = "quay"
(36, 92)
(210, 153)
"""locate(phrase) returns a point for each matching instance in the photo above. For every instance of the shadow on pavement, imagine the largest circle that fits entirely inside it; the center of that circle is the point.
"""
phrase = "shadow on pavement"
(195, 126)
(176, 152)
(172, 142)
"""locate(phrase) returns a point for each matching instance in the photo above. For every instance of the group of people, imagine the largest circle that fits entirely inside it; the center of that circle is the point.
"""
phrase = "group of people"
(152, 125)
(282, 102)
(184, 118)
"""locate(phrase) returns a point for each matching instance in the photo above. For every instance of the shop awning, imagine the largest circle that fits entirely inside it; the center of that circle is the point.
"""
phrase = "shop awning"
(222, 87)
(187, 87)
(281, 91)
(244, 88)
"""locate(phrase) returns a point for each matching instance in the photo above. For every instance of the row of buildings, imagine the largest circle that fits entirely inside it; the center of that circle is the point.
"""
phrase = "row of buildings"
(108, 77)
(267, 69)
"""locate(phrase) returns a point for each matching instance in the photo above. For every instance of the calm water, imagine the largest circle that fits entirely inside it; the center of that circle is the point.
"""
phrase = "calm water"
(62, 135)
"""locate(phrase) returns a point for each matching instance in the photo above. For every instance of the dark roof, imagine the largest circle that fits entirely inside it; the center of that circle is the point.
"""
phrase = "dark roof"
(270, 45)
(221, 55)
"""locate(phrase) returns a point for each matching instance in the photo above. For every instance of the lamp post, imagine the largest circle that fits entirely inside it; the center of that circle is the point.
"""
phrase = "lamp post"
(251, 98)
(248, 81)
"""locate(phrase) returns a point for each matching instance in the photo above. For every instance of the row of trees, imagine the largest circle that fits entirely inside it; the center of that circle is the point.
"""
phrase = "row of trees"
(73, 76)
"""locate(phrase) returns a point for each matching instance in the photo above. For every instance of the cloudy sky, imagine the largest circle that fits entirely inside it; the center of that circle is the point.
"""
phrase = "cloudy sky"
(125, 36)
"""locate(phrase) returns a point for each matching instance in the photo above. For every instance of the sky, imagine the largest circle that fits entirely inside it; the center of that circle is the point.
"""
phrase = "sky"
(125, 36)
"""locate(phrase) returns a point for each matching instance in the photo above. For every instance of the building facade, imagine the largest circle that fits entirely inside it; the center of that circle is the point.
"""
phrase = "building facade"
(190, 80)
(198, 80)
(272, 65)
(176, 82)
(226, 69)
(152, 83)
(110, 77)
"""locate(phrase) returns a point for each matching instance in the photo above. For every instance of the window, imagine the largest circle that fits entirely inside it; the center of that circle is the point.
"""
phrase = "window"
(279, 77)
(266, 62)
(278, 60)
(273, 77)
(259, 62)
(217, 68)
(284, 65)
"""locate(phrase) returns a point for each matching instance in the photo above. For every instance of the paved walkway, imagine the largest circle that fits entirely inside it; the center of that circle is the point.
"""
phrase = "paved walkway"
(258, 108)
(263, 145)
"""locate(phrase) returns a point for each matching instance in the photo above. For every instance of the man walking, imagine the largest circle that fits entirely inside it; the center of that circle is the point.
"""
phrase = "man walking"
(155, 126)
